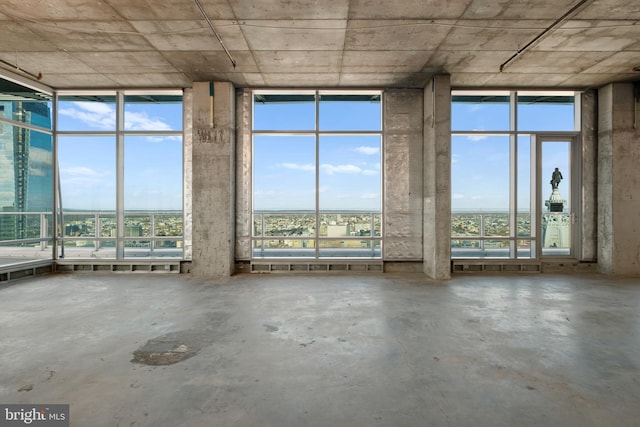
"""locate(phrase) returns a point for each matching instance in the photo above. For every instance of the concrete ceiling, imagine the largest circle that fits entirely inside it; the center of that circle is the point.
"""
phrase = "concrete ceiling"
(321, 43)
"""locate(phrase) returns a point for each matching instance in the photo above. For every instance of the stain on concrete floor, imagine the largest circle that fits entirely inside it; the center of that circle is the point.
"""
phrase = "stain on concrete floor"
(169, 349)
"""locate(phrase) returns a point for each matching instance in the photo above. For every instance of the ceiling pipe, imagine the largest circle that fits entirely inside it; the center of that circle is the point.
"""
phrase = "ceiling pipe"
(543, 33)
(233, 61)
(12, 67)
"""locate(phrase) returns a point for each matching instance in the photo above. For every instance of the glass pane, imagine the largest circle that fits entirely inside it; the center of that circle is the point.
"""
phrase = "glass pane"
(287, 224)
(290, 248)
(350, 177)
(284, 173)
(480, 112)
(526, 249)
(556, 216)
(465, 248)
(480, 195)
(87, 113)
(107, 225)
(480, 174)
(465, 224)
(153, 173)
(137, 225)
(284, 112)
(87, 173)
(496, 249)
(350, 248)
(26, 181)
(350, 112)
(523, 228)
(168, 224)
(496, 224)
(152, 112)
(351, 224)
(36, 112)
(546, 113)
(79, 225)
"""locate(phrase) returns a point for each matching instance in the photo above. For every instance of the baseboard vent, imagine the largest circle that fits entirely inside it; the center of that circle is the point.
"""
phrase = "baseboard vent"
(119, 267)
(318, 266)
(495, 267)
(25, 270)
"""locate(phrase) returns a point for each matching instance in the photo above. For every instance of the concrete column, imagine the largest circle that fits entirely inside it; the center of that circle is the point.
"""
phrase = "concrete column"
(213, 179)
(618, 180)
(588, 212)
(437, 178)
(403, 125)
(243, 175)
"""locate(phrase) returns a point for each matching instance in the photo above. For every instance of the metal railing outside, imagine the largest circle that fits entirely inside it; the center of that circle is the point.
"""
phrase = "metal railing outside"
(92, 234)
(325, 234)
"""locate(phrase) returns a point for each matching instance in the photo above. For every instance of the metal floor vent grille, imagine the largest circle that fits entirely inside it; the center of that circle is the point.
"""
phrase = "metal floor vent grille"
(493, 267)
(321, 267)
(120, 267)
(21, 271)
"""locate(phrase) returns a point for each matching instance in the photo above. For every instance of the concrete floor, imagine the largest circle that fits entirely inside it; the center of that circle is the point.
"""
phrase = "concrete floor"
(325, 350)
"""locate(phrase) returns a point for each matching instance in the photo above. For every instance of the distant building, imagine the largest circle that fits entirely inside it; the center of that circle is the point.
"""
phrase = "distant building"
(26, 156)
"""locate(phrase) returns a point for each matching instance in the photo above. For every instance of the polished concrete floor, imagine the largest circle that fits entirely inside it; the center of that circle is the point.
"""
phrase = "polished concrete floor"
(324, 350)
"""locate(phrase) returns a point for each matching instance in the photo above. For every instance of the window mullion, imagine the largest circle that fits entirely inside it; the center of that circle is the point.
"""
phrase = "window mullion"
(317, 136)
(120, 175)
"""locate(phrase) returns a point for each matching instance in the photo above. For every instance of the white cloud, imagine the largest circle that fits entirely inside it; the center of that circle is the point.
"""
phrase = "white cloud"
(363, 149)
(370, 172)
(294, 166)
(103, 116)
(477, 198)
(331, 169)
(80, 171)
(476, 137)
(92, 114)
(457, 196)
(141, 121)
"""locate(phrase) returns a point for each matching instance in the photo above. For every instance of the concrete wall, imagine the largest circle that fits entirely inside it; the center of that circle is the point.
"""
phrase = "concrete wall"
(618, 181)
(213, 179)
(437, 178)
(402, 158)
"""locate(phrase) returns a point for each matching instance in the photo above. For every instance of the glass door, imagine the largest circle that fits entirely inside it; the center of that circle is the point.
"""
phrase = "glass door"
(555, 201)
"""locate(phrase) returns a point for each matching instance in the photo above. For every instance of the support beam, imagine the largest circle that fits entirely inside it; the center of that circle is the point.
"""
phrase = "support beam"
(437, 178)
(618, 180)
(213, 166)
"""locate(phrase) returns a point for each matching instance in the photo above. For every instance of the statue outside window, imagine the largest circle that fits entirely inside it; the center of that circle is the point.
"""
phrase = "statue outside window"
(556, 177)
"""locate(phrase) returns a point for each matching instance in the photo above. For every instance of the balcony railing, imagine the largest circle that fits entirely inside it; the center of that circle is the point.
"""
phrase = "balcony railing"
(91, 234)
(329, 234)
(488, 235)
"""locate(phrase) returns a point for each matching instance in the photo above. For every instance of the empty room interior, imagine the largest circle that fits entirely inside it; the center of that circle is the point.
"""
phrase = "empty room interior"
(320, 213)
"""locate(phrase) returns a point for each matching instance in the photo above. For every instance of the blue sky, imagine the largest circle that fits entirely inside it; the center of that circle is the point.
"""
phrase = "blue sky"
(153, 164)
(284, 170)
(284, 165)
(480, 163)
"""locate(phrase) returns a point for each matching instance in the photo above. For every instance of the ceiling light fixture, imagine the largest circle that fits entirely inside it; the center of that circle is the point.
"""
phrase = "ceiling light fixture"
(233, 61)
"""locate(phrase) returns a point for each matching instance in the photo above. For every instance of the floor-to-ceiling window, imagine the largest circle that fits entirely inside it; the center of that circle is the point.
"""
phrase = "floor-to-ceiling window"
(317, 174)
(512, 180)
(120, 167)
(26, 173)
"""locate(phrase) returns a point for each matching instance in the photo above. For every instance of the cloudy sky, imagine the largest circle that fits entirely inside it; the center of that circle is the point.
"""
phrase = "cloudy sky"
(349, 171)
(153, 165)
(480, 163)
